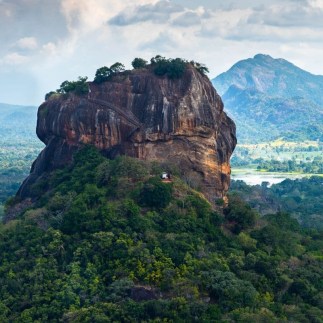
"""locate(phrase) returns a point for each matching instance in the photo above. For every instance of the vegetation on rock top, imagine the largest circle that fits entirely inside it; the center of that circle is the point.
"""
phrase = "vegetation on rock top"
(160, 66)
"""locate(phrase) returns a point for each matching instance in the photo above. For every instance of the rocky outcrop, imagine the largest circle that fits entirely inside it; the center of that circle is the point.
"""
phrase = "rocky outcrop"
(141, 115)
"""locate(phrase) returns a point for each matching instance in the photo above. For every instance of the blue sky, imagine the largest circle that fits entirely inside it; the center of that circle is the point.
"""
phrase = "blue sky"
(46, 42)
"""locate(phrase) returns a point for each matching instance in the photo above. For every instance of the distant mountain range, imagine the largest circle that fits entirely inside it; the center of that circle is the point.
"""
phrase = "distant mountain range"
(17, 121)
(18, 135)
(270, 98)
(19, 147)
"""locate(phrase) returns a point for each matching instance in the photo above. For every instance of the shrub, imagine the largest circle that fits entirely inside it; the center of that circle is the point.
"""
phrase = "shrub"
(228, 290)
(102, 74)
(117, 68)
(49, 94)
(172, 68)
(240, 214)
(200, 67)
(105, 73)
(139, 63)
(79, 87)
(156, 194)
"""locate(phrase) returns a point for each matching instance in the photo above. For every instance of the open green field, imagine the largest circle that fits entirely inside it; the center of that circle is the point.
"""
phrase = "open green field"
(280, 150)
(279, 156)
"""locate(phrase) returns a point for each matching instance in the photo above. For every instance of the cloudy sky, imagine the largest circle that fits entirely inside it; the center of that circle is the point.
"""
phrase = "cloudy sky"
(44, 42)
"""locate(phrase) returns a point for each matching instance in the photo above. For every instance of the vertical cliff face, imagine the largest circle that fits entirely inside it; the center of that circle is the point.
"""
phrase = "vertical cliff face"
(141, 115)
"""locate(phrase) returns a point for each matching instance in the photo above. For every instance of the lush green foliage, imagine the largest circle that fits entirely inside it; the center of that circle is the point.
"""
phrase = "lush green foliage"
(105, 73)
(172, 68)
(138, 63)
(311, 167)
(78, 87)
(240, 214)
(93, 250)
(302, 198)
(156, 194)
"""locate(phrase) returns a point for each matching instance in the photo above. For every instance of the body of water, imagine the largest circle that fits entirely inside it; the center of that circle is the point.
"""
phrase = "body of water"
(251, 177)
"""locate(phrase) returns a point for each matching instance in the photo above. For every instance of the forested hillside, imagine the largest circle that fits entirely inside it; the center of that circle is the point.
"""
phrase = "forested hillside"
(271, 98)
(302, 198)
(109, 241)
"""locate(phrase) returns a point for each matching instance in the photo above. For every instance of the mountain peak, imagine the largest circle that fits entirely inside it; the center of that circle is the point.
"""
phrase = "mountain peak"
(274, 97)
(263, 57)
(272, 76)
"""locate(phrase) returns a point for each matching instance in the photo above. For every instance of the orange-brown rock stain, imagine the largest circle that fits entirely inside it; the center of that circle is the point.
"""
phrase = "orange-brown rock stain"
(144, 116)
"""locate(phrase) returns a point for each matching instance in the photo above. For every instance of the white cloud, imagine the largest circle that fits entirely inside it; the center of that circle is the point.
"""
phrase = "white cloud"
(164, 42)
(293, 15)
(14, 59)
(221, 23)
(159, 12)
(187, 19)
(75, 37)
(84, 15)
(88, 15)
(49, 49)
(288, 22)
(316, 3)
(27, 43)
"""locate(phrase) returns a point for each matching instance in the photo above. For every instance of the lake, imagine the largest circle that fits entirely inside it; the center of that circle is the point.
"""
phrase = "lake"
(252, 177)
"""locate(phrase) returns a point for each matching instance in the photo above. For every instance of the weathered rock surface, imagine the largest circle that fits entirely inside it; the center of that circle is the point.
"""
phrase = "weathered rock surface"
(144, 116)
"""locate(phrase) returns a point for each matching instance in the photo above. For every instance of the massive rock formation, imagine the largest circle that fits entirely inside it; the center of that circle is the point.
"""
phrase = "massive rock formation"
(142, 115)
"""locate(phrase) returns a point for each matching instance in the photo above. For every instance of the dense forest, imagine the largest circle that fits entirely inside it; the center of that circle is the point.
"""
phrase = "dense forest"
(302, 198)
(311, 167)
(109, 241)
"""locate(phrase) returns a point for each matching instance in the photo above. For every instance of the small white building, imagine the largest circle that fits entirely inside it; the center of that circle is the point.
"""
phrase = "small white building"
(164, 175)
